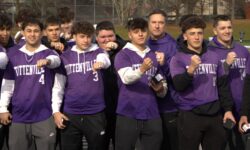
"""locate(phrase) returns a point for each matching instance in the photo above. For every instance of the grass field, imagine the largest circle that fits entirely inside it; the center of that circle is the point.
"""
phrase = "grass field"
(238, 25)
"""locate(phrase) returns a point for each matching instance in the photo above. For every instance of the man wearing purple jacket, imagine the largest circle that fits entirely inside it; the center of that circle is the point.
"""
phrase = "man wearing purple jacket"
(140, 80)
(161, 42)
(27, 85)
(79, 86)
(234, 58)
(201, 82)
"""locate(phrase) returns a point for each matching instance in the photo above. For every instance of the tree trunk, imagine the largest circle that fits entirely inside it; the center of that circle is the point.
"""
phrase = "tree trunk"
(215, 6)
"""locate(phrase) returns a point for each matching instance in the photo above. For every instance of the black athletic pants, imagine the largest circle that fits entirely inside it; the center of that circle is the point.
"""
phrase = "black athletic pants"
(196, 129)
(90, 126)
(128, 130)
(170, 134)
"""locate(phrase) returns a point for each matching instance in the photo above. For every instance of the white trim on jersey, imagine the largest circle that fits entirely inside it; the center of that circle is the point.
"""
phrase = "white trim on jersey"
(92, 47)
(130, 46)
(39, 49)
(6, 94)
(3, 60)
(58, 92)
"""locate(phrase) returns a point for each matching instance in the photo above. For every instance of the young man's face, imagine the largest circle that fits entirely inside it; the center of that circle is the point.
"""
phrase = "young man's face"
(194, 37)
(156, 25)
(105, 36)
(224, 31)
(83, 41)
(66, 27)
(32, 34)
(4, 36)
(53, 33)
(138, 36)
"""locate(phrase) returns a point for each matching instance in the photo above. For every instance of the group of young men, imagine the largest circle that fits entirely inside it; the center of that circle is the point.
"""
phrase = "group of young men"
(168, 95)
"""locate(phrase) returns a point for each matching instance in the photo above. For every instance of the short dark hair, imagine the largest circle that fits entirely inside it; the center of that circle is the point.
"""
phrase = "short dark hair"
(184, 17)
(83, 27)
(65, 14)
(104, 25)
(158, 11)
(32, 21)
(192, 22)
(5, 22)
(137, 23)
(51, 20)
(220, 18)
(25, 13)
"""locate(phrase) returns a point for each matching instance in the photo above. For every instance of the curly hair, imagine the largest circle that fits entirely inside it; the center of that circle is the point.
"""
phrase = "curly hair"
(83, 27)
(192, 22)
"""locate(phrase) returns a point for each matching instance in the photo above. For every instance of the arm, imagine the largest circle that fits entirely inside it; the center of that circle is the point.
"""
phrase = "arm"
(130, 76)
(104, 59)
(51, 61)
(182, 81)
(58, 92)
(225, 96)
(245, 104)
(3, 60)
(6, 94)
(57, 98)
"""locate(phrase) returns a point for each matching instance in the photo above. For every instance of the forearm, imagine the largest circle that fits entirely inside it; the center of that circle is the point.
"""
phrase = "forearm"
(6, 94)
(129, 76)
(54, 61)
(182, 81)
(58, 92)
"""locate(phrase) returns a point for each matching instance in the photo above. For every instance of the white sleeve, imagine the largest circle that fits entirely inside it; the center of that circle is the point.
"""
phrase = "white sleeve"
(3, 60)
(104, 58)
(55, 61)
(129, 76)
(6, 94)
(58, 92)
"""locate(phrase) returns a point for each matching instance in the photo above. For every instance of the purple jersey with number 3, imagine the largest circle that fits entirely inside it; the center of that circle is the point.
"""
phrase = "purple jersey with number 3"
(84, 93)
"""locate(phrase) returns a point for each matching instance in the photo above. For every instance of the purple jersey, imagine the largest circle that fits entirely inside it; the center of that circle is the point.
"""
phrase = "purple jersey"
(203, 88)
(31, 99)
(137, 100)
(84, 93)
(237, 71)
(167, 45)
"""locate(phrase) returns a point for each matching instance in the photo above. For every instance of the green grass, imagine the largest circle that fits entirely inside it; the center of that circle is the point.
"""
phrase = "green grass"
(238, 25)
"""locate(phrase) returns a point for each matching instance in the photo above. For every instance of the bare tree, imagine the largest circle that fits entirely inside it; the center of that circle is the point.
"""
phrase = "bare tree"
(124, 9)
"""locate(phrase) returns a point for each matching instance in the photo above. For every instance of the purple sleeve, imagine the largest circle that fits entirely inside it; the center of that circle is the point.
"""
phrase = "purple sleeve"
(9, 72)
(176, 67)
(122, 61)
